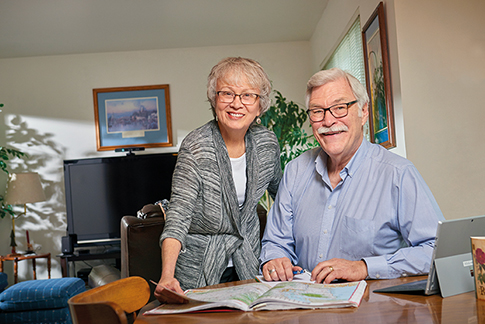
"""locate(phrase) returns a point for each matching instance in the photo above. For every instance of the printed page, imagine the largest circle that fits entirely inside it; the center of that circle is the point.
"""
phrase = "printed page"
(290, 295)
(238, 297)
(245, 294)
(179, 308)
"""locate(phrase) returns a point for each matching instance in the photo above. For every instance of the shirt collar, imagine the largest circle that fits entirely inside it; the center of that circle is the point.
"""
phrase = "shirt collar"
(350, 168)
(358, 158)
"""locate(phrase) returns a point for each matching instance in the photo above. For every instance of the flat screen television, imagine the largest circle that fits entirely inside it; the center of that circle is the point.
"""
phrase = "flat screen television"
(100, 191)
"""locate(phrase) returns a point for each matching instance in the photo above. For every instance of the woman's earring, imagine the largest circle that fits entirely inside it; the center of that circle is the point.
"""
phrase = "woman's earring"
(258, 120)
(217, 119)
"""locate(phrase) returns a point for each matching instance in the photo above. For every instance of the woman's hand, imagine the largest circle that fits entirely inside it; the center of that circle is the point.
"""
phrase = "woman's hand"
(167, 283)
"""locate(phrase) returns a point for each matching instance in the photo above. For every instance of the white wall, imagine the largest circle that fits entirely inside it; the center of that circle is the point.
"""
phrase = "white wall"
(442, 63)
(49, 114)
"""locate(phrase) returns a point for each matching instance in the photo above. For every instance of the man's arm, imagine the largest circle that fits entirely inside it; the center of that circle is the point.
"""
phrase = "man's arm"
(418, 215)
(278, 241)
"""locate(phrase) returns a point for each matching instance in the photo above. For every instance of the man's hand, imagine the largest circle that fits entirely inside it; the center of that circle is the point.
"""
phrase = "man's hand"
(332, 269)
(279, 269)
(168, 283)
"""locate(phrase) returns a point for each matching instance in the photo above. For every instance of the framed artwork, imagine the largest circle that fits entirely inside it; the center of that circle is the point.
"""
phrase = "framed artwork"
(376, 59)
(132, 117)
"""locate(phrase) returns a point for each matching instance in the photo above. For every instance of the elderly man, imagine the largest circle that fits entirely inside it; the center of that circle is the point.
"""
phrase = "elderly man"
(348, 209)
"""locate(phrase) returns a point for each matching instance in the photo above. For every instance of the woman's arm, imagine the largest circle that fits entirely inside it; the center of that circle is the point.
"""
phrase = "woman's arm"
(170, 251)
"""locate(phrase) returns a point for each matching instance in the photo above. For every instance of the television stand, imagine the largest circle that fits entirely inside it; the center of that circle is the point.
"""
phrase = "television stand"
(130, 150)
(76, 256)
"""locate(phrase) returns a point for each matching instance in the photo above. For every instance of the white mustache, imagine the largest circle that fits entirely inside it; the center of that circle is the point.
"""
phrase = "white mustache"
(333, 129)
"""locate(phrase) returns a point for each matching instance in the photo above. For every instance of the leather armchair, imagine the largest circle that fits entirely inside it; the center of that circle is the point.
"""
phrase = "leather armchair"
(140, 249)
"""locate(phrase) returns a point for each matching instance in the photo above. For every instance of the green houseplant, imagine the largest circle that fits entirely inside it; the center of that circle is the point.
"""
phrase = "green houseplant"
(286, 119)
(5, 155)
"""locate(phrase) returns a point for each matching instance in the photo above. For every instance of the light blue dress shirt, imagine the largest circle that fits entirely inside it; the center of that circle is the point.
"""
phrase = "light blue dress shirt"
(382, 212)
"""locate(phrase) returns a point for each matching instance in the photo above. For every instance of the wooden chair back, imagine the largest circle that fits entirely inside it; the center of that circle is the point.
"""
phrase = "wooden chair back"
(111, 303)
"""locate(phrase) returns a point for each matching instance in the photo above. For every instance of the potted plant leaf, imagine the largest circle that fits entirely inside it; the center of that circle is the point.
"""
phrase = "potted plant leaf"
(286, 119)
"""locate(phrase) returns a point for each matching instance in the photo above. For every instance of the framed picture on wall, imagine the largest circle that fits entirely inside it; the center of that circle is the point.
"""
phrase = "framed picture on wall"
(132, 117)
(376, 56)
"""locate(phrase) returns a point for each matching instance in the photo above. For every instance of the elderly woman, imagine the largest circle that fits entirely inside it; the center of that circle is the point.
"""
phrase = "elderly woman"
(223, 168)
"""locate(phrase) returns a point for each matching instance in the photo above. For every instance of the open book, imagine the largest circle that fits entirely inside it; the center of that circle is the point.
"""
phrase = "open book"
(260, 296)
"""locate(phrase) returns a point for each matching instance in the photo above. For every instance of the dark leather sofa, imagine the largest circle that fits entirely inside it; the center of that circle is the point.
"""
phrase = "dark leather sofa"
(140, 250)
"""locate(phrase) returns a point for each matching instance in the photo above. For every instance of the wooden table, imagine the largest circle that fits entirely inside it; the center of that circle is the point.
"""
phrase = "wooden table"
(375, 308)
(20, 257)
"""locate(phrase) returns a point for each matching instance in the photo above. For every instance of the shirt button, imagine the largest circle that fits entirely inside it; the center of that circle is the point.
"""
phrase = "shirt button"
(330, 207)
(325, 232)
(320, 256)
(378, 276)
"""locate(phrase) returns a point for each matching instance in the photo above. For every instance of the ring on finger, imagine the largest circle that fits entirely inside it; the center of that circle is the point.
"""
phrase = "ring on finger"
(271, 271)
(331, 268)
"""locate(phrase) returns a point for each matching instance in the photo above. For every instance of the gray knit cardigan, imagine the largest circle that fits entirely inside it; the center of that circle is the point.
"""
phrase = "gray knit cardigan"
(204, 214)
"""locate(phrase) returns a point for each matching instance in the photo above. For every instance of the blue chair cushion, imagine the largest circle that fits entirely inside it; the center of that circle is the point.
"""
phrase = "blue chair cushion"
(44, 316)
(3, 281)
(40, 294)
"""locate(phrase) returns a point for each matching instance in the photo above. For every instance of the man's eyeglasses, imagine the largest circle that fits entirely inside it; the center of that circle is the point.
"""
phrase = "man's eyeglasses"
(338, 111)
(229, 96)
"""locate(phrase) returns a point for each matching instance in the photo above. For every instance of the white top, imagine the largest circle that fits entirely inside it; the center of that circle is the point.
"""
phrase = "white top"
(239, 177)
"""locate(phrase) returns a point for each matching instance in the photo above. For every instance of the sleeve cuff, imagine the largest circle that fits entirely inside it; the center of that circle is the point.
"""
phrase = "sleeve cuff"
(376, 267)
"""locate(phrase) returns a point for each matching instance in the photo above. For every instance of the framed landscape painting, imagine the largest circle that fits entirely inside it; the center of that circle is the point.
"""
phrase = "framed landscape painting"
(376, 56)
(132, 117)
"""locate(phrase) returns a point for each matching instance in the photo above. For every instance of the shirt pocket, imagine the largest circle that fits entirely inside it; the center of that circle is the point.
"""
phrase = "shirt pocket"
(356, 238)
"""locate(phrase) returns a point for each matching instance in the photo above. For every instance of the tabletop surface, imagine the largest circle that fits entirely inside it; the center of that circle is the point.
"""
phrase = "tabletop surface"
(374, 308)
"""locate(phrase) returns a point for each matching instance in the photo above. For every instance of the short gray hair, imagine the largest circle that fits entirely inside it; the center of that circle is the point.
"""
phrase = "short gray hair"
(241, 68)
(326, 76)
